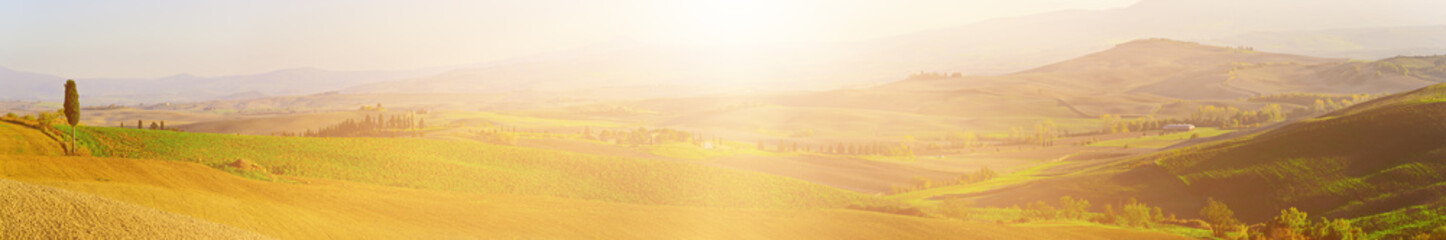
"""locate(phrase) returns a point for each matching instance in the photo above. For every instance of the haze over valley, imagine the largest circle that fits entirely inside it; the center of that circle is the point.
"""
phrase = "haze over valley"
(1151, 119)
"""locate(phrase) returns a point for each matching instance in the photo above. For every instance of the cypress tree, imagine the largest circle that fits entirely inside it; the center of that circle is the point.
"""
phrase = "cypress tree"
(72, 110)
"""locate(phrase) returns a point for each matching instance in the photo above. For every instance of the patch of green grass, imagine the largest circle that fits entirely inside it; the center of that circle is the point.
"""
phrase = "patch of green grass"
(1160, 141)
(1403, 222)
(1012, 179)
(995, 214)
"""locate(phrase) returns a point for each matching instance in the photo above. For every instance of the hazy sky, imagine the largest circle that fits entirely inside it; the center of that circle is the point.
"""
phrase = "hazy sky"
(85, 39)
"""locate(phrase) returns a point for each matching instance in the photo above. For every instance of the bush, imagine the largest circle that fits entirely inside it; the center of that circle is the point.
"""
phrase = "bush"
(1039, 211)
(1220, 217)
(955, 208)
(1338, 229)
(1291, 223)
(1136, 215)
(1073, 209)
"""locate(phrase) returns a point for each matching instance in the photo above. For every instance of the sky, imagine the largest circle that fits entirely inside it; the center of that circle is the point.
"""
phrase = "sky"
(147, 39)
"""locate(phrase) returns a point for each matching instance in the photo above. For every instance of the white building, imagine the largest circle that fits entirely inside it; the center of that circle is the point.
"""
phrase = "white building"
(1179, 127)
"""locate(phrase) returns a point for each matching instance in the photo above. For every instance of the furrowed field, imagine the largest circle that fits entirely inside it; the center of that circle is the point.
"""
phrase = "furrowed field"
(466, 166)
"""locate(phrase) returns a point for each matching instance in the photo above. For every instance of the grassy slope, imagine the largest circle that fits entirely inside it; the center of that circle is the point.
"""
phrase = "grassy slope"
(1160, 141)
(1371, 158)
(1016, 178)
(16, 139)
(467, 166)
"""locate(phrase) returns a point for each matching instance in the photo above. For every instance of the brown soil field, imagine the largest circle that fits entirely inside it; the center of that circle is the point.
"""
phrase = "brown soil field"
(29, 211)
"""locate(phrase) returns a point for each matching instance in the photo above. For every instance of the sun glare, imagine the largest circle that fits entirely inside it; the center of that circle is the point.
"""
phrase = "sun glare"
(731, 22)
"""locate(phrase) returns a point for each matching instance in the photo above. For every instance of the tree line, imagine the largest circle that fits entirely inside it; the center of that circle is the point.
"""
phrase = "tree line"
(644, 136)
(380, 126)
(1291, 223)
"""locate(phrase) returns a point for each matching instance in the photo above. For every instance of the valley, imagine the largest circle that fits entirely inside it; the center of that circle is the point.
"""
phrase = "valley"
(1139, 119)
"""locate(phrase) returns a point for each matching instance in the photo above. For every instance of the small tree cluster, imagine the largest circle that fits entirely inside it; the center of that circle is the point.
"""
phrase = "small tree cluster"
(934, 75)
(1295, 224)
(1073, 209)
(1136, 214)
(1221, 218)
(1044, 134)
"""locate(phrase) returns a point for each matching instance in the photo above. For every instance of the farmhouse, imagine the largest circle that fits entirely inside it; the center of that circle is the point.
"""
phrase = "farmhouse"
(1179, 127)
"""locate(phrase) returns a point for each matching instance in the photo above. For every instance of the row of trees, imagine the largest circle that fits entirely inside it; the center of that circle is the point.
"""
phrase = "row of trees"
(1131, 213)
(863, 149)
(934, 75)
(155, 125)
(644, 136)
(498, 135)
(510, 135)
(964, 139)
(1290, 224)
(1232, 117)
(1044, 134)
(379, 126)
(922, 183)
(1296, 224)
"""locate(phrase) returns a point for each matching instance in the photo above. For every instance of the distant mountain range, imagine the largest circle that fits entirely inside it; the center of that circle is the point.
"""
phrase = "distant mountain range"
(184, 88)
(990, 47)
(1332, 28)
(1357, 43)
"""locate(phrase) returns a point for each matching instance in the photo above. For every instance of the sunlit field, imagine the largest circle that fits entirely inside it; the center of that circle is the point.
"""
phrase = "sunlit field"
(745, 119)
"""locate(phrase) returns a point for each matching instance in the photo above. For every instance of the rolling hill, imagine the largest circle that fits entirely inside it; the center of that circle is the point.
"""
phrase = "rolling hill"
(35, 211)
(1377, 163)
(323, 208)
(1353, 163)
(294, 207)
(474, 167)
(1185, 70)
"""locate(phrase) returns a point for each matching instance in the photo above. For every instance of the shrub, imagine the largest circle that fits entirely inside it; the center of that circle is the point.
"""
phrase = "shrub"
(954, 208)
(1290, 224)
(1039, 211)
(1073, 209)
(1220, 217)
(1136, 215)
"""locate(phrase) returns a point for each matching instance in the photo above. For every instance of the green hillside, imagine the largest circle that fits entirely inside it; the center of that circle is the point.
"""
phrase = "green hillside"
(1372, 158)
(467, 166)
